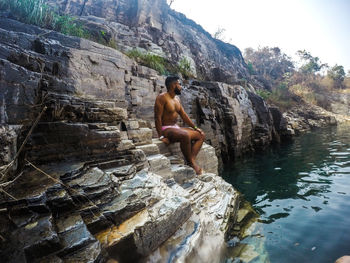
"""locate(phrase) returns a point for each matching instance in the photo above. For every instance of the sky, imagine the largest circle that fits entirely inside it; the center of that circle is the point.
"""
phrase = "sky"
(321, 27)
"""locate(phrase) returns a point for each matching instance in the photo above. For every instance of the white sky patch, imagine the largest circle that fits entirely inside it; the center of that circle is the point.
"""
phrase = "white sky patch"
(318, 26)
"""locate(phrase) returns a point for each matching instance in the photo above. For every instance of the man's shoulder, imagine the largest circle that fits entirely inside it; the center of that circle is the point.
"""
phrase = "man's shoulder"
(161, 97)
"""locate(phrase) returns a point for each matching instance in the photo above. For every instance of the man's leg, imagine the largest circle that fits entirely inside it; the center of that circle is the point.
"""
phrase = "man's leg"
(179, 135)
(185, 137)
(198, 139)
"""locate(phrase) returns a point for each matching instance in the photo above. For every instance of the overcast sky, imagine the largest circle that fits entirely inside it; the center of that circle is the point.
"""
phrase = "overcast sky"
(322, 27)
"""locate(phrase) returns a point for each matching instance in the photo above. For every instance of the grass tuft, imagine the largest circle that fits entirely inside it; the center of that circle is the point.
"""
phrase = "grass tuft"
(184, 67)
(149, 60)
(38, 13)
(160, 64)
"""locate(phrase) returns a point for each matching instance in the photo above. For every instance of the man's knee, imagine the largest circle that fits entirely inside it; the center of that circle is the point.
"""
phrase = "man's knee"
(203, 136)
(185, 137)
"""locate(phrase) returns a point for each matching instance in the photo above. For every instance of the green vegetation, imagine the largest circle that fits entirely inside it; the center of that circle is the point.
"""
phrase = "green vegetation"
(149, 60)
(37, 12)
(283, 84)
(263, 93)
(337, 74)
(311, 64)
(184, 67)
(280, 97)
(251, 68)
(304, 92)
(269, 63)
(160, 64)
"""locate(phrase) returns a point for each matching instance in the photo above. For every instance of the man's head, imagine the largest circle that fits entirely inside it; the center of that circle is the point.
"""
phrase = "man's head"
(172, 84)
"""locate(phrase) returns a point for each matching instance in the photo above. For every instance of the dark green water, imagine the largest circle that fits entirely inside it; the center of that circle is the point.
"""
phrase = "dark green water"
(302, 194)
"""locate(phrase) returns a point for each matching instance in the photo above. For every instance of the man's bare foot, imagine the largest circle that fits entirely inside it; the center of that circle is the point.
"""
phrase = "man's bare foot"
(197, 169)
(166, 141)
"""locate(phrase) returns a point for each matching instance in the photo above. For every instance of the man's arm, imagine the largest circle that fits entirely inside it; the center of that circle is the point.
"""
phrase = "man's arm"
(158, 112)
(187, 120)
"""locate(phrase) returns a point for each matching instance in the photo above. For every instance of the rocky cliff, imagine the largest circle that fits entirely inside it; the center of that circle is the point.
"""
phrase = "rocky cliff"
(234, 118)
(152, 26)
(336, 101)
(92, 183)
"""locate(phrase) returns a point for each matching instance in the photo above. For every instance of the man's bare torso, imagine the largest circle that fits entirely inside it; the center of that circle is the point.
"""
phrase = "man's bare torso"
(167, 108)
(171, 109)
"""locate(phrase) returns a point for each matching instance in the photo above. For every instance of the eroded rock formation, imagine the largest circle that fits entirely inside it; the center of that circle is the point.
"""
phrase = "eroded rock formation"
(152, 26)
(92, 183)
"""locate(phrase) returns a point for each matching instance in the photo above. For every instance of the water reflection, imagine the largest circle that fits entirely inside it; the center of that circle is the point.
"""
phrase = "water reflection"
(300, 190)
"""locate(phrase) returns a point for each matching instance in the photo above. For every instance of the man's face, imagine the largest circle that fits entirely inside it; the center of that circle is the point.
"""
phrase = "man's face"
(177, 88)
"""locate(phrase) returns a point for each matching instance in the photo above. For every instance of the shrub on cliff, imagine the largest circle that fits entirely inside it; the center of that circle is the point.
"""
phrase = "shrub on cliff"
(270, 63)
(304, 92)
(37, 12)
(184, 67)
(149, 60)
(263, 93)
(337, 74)
(160, 64)
(311, 64)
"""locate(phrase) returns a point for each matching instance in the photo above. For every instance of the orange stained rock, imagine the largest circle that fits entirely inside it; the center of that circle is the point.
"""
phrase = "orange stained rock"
(114, 234)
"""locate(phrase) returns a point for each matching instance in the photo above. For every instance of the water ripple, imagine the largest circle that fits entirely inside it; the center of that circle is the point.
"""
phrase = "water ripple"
(302, 193)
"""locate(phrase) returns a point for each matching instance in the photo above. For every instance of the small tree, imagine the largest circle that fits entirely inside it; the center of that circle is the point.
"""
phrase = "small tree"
(219, 33)
(337, 74)
(170, 2)
(311, 64)
(270, 63)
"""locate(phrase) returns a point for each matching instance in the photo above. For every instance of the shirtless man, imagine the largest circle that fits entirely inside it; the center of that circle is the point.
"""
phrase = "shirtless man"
(166, 110)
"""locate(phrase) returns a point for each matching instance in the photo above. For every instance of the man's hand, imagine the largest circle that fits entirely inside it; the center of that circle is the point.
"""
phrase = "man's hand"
(200, 131)
(166, 141)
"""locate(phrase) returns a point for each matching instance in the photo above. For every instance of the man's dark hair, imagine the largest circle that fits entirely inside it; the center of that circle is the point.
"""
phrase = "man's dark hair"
(169, 80)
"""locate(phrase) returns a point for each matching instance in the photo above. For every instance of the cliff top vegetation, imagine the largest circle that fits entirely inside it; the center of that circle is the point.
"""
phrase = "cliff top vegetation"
(284, 81)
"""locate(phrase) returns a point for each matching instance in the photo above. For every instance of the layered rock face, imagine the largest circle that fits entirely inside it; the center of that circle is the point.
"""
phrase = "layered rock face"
(152, 26)
(92, 184)
(82, 81)
(235, 120)
(305, 117)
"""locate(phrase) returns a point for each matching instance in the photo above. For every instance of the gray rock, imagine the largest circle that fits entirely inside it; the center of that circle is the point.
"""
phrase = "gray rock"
(8, 142)
(140, 136)
(182, 173)
(159, 164)
(153, 26)
(90, 254)
(165, 219)
(149, 149)
(38, 238)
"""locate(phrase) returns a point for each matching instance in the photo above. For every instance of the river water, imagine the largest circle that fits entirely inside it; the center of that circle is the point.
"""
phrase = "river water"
(301, 192)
